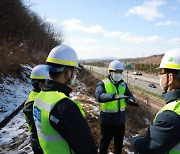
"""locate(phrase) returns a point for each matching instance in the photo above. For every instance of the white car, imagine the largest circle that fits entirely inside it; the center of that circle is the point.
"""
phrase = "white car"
(137, 73)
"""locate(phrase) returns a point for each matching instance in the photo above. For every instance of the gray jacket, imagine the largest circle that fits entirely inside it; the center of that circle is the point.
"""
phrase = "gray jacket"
(163, 134)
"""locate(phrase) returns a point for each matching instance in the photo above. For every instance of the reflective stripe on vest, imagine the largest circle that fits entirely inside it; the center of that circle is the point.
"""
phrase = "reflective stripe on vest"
(175, 107)
(49, 137)
(50, 140)
(113, 106)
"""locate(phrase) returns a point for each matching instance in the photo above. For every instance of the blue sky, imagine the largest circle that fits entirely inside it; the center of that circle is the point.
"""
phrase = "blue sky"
(114, 28)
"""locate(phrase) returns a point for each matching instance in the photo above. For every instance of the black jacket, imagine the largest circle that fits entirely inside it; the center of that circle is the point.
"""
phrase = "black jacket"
(102, 97)
(163, 134)
(28, 111)
(72, 125)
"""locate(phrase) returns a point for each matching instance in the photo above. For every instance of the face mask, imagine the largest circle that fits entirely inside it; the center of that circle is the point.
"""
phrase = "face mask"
(73, 81)
(165, 87)
(117, 76)
(160, 82)
(72, 78)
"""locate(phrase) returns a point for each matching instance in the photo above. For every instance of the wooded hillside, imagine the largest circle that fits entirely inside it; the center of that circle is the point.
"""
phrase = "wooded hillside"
(24, 37)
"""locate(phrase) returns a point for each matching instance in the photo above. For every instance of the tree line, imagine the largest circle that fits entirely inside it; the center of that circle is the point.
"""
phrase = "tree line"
(141, 67)
(147, 68)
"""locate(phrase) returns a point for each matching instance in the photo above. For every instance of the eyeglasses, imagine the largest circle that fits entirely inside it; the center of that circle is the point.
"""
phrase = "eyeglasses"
(162, 71)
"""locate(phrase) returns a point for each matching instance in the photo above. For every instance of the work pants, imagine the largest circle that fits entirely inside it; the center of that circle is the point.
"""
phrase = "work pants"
(36, 147)
(108, 132)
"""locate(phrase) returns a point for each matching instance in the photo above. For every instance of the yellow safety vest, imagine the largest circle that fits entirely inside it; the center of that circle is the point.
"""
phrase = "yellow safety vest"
(113, 106)
(175, 107)
(80, 107)
(32, 96)
(50, 140)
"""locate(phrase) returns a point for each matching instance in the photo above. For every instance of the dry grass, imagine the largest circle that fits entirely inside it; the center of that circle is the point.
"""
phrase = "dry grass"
(137, 118)
(90, 81)
(12, 58)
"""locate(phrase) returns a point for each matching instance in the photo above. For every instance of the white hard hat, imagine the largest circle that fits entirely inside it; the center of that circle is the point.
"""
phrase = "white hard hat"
(171, 60)
(115, 66)
(39, 72)
(63, 55)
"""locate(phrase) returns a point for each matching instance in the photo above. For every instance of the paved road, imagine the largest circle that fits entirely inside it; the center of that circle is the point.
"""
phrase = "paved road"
(137, 80)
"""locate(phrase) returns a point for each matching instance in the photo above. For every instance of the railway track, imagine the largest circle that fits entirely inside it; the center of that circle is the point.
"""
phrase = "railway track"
(153, 102)
(10, 116)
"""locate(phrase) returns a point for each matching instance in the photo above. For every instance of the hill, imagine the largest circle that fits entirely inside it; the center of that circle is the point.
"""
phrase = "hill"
(154, 59)
(24, 37)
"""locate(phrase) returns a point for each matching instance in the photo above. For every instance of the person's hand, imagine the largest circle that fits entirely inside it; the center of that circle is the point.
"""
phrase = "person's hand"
(118, 96)
(132, 102)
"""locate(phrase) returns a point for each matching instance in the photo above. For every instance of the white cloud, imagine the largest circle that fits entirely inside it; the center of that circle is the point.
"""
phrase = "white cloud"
(175, 40)
(128, 37)
(166, 23)
(118, 34)
(149, 10)
(96, 51)
(82, 40)
(51, 20)
(76, 24)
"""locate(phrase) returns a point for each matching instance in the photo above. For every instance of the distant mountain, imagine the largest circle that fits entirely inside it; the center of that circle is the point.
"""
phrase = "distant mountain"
(154, 59)
(98, 59)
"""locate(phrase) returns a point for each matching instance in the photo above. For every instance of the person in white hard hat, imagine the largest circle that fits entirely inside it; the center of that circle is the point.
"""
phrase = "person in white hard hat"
(60, 124)
(163, 135)
(113, 93)
(38, 76)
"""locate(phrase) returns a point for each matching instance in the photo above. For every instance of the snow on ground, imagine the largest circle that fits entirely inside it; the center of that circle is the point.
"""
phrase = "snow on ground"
(14, 137)
(13, 92)
(12, 129)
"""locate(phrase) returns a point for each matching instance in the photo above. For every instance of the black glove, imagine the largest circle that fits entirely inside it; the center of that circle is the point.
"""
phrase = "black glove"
(117, 97)
(132, 102)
